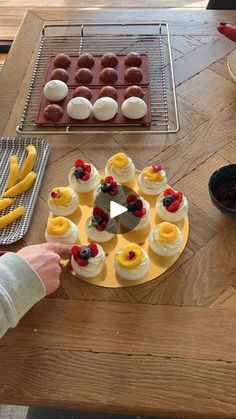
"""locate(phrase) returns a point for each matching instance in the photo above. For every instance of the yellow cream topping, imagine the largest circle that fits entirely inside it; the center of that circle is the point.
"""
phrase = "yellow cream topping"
(131, 256)
(61, 196)
(58, 226)
(168, 232)
(119, 160)
(153, 176)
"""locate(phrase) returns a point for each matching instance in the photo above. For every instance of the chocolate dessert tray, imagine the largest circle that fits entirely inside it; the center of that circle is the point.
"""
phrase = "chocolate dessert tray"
(151, 41)
(158, 264)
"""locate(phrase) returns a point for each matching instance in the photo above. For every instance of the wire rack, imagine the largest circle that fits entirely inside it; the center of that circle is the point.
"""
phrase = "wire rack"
(150, 38)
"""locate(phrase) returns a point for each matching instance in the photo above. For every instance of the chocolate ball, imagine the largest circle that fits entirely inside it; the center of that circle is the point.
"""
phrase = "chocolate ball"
(108, 75)
(85, 60)
(133, 75)
(134, 91)
(84, 75)
(109, 60)
(83, 91)
(60, 74)
(133, 59)
(108, 91)
(62, 61)
(53, 112)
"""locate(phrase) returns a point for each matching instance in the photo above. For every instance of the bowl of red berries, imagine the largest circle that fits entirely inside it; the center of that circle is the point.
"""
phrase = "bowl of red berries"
(222, 189)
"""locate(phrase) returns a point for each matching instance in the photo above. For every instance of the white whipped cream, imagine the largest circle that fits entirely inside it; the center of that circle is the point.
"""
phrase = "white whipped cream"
(133, 274)
(123, 174)
(128, 218)
(96, 235)
(94, 267)
(164, 248)
(84, 185)
(70, 237)
(171, 216)
(152, 188)
(67, 209)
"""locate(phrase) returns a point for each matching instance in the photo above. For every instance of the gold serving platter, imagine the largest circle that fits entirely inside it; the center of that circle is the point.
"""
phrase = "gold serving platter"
(108, 277)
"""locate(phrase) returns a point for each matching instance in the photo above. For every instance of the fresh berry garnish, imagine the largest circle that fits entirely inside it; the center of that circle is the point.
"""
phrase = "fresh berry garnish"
(75, 251)
(106, 187)
(131, 198)
(109, 185)
(100, 219)
(169, 191)
(93, 247)
(132, 206)
(79, 163)
(132, 254)
(173, 207)
(55, 194)
(168, 200)
(135, 205)
(83, 170)
(85, 253)
(156, 168)
(79, 173)
(178, 196)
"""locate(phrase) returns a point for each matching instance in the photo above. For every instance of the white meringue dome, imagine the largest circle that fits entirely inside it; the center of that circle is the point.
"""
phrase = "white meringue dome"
(79, 108)
(134, 108)
(63, 201)
(94, 266)
(61, 230)
(166, 239)
(55, 90)
(131, 262)
(105, 108)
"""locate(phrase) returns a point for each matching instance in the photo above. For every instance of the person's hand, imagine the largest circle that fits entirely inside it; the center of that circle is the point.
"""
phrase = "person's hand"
(44, 259)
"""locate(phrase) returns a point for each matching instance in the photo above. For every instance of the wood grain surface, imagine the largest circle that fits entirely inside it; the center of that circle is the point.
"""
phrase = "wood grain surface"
(166, 348)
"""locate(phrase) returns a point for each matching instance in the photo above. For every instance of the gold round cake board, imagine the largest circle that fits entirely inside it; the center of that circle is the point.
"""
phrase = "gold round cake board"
(108, 277)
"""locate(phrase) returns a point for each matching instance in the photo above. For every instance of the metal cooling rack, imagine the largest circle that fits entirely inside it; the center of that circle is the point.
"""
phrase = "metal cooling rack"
(153, 39)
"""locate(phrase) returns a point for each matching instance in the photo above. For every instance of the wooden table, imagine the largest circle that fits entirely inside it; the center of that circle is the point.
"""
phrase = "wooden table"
(167, 348)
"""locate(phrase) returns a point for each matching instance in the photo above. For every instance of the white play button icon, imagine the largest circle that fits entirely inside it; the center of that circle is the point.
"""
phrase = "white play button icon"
(116, 209)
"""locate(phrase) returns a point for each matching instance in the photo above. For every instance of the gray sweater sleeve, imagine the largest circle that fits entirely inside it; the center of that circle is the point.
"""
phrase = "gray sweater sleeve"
(20, 289)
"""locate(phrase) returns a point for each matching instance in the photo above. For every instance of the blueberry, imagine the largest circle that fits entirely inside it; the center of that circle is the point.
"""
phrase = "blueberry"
(79, 173)
(98, 219)
(168, 200)
(132, 206)
(85, 253)
(106, 187)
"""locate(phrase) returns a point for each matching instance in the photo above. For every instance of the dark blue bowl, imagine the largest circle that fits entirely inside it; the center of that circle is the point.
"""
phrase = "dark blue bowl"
(221, 176)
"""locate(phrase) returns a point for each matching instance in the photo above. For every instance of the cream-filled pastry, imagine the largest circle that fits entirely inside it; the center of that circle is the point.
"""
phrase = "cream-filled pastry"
(63, 201)
(152, 180)
(83, 177)
(172, 205)
(120, 167)
(100, 227)
(131, 262)
(88, 260)
(138, 216)
(61, 230)
(166, 239)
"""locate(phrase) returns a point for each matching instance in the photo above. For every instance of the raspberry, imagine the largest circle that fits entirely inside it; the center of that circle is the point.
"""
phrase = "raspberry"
(131, 198)
(79, 163)
(169, 191)
(140, 213)
(139, 204)
(93, 248)
(156, 168)
(109, 179)
(54, 194)
(173, 207)
(86, 176)
(87, 168)
(113, 192)
(178, 196)
(132, 254)
(75, 251)
(82, 262)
